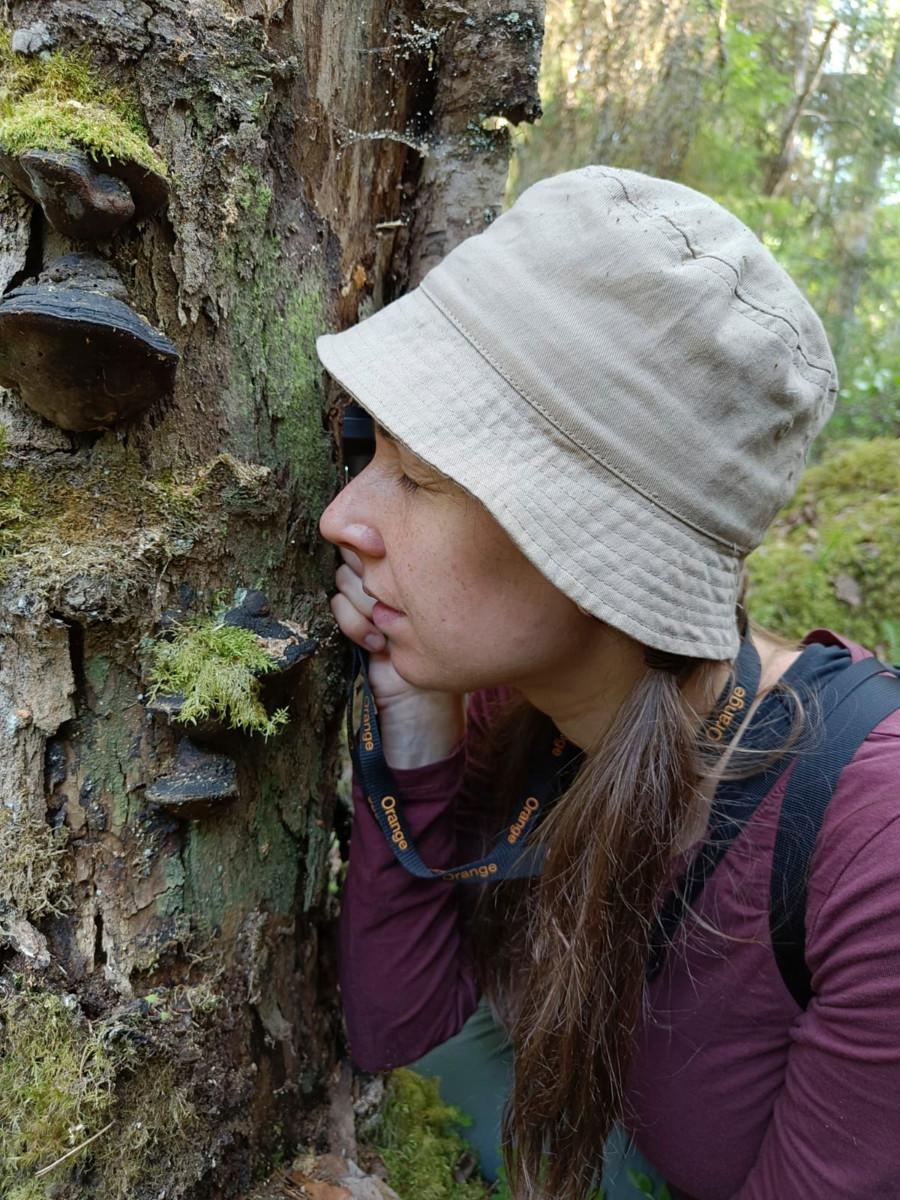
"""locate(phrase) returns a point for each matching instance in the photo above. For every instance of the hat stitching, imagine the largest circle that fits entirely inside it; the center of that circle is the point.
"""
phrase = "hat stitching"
(602, 594)
(617, 504)
(743, 295)
(620, 504)
(613, 558)
(704, 630)
(733, 546)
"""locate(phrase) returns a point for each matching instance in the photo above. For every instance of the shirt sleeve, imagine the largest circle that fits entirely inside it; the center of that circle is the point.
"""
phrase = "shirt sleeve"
(835, 1127)
(407, 984)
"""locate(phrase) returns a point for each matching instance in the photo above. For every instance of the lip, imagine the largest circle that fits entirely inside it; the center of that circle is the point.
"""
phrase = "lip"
(383, 616)
(381, 603)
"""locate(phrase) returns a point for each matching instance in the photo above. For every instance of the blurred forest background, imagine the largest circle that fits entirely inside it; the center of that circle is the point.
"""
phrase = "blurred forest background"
(786, 111)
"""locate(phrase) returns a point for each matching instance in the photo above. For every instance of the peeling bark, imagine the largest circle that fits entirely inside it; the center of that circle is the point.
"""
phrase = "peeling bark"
(321, 158)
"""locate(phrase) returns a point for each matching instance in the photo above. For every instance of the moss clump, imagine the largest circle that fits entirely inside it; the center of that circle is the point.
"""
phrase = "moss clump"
(69, 1084)
(61, 102)
(64, 523)
(418, 1138)
(216, 668)
(830, 559)
(33, 857)
(56, 1083)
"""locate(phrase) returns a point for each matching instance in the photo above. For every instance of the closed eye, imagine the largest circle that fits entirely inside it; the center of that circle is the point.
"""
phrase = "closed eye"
(408, 485)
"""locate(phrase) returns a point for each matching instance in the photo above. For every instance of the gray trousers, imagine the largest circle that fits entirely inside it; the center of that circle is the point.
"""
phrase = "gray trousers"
(475, 1071)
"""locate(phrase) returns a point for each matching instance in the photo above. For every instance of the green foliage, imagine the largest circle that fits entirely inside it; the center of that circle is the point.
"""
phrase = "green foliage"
(646, 1187)
(830, 559)
(61, 102)
(419, 1141)
(216, 668)
(707, 94)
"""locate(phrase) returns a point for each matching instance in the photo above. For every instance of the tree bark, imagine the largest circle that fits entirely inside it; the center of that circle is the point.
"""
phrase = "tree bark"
(320, 159)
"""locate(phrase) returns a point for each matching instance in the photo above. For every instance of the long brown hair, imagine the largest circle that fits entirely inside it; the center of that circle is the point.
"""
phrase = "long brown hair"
(563, 958)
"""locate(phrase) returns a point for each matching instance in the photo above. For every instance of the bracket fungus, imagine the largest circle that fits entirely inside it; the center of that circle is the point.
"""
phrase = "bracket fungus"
(285, 642)
(199, 782)
(77, 352)
(225, 675)
(84, 199)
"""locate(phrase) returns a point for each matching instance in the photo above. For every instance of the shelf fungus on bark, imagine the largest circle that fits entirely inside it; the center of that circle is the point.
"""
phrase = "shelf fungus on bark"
(85, 199)
(218, 685)
(199, 782)
(77, 352)
(285, 642)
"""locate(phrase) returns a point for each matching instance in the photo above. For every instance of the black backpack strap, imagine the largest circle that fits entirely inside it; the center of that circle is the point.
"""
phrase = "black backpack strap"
(851, 712)
(735, 804)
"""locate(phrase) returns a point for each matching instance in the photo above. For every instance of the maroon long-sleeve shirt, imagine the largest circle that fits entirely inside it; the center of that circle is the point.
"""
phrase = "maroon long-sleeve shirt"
(734, 1093)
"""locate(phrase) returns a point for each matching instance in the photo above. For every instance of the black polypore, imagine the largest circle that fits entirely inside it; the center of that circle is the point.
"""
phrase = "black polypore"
(82, 198)
(286, 642)
(79, 355)
(199, 782)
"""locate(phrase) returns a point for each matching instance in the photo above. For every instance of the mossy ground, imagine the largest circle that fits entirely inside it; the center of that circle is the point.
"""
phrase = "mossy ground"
(419, 1141)
(831, 557)
(61, 102)
(64, 1080)
(216, 668)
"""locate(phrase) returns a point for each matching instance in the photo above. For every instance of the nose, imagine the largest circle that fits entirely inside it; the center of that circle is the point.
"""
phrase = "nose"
(348, 521)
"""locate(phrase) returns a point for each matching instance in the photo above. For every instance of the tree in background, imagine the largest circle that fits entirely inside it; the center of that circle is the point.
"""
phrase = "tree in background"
(786, 112)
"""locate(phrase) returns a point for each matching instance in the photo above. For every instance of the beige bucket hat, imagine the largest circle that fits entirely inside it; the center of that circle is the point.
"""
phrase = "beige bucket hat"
(625, 378)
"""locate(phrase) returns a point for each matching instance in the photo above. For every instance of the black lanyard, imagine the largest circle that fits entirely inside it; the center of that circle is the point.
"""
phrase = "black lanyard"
(552, 768)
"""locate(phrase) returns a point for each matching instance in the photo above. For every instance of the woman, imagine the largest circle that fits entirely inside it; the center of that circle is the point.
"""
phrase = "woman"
(587, 416)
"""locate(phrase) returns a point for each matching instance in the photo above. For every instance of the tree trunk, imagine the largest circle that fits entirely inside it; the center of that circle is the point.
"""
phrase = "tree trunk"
(167, 1003)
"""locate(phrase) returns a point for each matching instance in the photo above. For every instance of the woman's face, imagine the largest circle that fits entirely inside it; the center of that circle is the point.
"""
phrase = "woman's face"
(471, 610)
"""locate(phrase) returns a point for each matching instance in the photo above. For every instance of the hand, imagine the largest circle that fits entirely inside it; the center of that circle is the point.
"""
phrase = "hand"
(352, 610)
(417, 726)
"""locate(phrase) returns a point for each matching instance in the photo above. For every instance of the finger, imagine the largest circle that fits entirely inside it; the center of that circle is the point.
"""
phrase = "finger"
(349, 584)
(355, 626)
(352, 559)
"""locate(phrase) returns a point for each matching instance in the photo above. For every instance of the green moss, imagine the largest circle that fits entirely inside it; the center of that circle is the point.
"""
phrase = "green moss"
(33, 879)
(275, 319)
(61, 522)
(830, 559)
(420, 1143)
(216, 668)
(64, 1080)
(56, 1082)
(62, 102)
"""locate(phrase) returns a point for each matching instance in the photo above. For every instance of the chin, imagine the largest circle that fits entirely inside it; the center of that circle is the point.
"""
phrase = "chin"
(426, 673)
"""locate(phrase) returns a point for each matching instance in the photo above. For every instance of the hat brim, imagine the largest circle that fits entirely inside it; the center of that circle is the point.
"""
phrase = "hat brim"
(608, 547)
